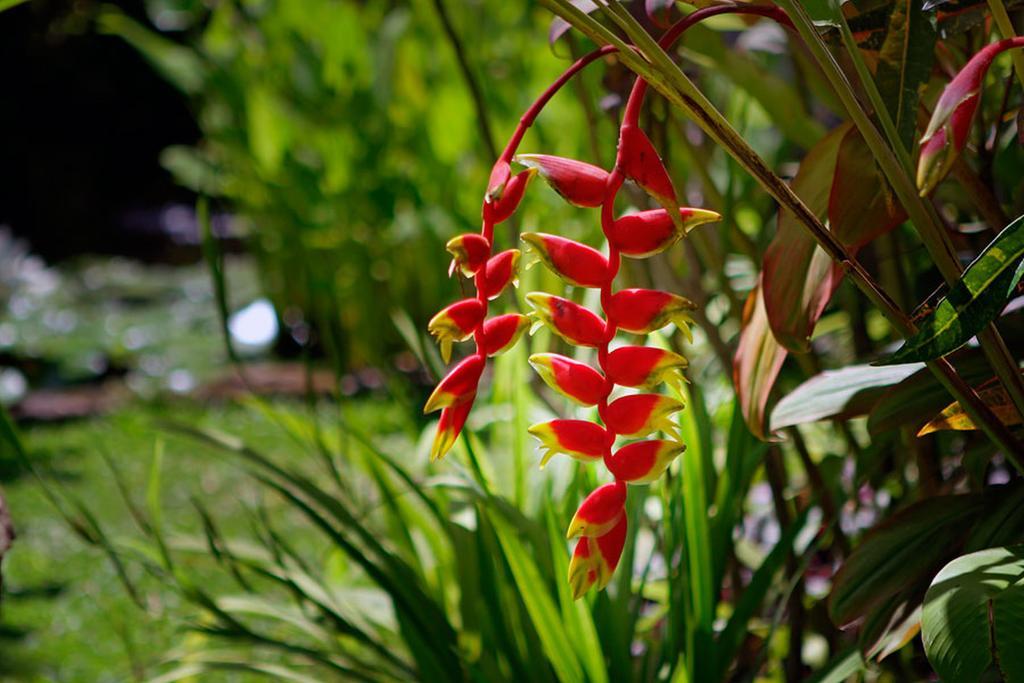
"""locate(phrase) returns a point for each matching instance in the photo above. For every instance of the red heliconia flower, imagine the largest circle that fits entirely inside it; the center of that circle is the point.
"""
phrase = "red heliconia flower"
(578, 439)
(453, 418)
(502, 332)
(578, 182)
(469, 253)
(639, 161)
(458, 387)
(642, 311)
(571, 378)
(456, 323)
(570, 321)
(645, 367)
(575, 263)
(641, 414)
(503, 207)
(950, 124)
(644, 461)
(649, 232)
(499, 271)
(594, 561)
(599, 512)
(500, 174)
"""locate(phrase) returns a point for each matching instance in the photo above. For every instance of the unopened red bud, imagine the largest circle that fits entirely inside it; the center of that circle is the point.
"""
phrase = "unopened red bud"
(499, 272)
(645, 367)
(456, 323)
(469, 253)
(575, 263)
(453, 418)
(572, 379)
(599, 512)
(578, 439)
(578, 182)
(500, 174)
(642, 311)
(641, 414)
(644, 461)
(570, 321)
(594, 560)
(458, 387)
(649, 232)
(502, 332)
(500, 209)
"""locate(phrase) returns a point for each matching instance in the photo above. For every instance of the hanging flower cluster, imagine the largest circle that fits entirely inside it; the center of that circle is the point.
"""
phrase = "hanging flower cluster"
(627, 439)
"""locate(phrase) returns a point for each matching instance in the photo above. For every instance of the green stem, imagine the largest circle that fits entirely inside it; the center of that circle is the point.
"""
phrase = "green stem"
(662, 74)
(1005, 26)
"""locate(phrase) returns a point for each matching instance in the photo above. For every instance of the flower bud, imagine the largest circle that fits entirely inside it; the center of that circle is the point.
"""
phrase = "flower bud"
(594, 560)
(500, 174)
(456, 323)
(469, 253)
(642, 311)
(575, 263)
(599, 512)
(572, 379)
(578, 439)
(649, 232)
(458, 387)
(645, 367)
(448, 428)
(644, 461)
(639, 162)
(499, 271)
(950, 124)
(500, 209)
(638, 415)
(502, 332)
(578, 182)
(570, 321)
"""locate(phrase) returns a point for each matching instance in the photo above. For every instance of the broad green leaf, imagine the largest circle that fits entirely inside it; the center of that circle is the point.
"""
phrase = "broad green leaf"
(974, 301)
(973, 616)
(894, 555)
(846, 392)
(905, 64)
(757, 364)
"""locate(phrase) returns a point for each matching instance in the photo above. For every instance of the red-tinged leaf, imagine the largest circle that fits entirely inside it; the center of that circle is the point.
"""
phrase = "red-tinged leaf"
(639, 162)
(599, 512)
(573, 379)
(469, 253)
(570, 321)
(756, 365)
(642, 311)
(459, 386)
(578, 182)
(501, 209)
(953, 416)
(499, 272)
(861, 204)
(798, 277)
(638, 415)
(502, 332)
(572, 261)
(579, 439)
(660, 12)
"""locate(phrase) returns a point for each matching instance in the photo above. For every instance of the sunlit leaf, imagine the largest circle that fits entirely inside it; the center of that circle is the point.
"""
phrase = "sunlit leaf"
(953, 416)
(973, 302)
(757, 363)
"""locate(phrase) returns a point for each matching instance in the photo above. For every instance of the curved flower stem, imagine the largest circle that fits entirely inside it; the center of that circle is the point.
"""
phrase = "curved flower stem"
(673, 84)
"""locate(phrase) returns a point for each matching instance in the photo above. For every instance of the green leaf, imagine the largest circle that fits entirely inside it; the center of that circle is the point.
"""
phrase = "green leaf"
(846, 392)
(974, 301)
(905, 64)
(973, 616)
(901, 551)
